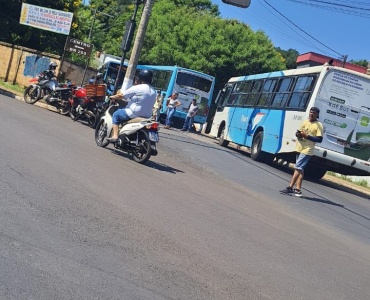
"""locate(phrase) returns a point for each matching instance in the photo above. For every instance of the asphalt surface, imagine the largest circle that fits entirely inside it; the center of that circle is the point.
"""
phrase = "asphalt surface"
(197, 222)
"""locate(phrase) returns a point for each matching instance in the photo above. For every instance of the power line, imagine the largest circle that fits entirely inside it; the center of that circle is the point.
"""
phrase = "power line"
(302, 29)
(302, 39)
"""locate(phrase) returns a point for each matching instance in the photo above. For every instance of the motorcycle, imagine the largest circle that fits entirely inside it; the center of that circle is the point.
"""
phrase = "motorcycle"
(51, 91)
(137, 136)
(88, 103)
(83, 107)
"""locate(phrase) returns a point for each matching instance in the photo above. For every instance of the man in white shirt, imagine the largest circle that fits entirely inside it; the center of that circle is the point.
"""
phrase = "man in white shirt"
(142, 97)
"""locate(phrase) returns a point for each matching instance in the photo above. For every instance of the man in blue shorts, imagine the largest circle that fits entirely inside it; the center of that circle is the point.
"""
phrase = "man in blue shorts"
(309, 133)
(142, 97)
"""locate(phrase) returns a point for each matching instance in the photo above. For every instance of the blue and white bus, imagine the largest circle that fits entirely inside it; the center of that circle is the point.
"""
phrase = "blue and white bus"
(264, 111)
(188, 83)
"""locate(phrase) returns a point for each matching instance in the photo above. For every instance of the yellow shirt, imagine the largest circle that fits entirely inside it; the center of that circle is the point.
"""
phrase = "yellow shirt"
(314, 129)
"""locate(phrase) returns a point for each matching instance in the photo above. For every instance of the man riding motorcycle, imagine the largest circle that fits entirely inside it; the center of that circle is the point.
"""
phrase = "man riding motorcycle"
(49, 74)
(141, 100)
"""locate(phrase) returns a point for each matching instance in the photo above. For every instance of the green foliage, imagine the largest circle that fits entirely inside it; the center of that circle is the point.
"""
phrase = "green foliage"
(15, 33)
(362, 182)
(290, 57)
(361, 62)
(198, 39)
(189, 33)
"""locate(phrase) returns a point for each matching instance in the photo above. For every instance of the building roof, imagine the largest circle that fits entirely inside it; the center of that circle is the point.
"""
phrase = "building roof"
(314, 59)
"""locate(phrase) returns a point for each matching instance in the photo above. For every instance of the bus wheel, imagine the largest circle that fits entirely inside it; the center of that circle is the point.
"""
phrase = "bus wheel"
(222, 142)
(256, 150)
(314, 172)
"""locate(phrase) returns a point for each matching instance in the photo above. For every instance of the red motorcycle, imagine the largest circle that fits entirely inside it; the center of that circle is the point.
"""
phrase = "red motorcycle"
(87, 104)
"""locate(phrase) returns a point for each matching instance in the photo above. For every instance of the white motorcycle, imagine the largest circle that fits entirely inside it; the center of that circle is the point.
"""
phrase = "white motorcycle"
(137, 136)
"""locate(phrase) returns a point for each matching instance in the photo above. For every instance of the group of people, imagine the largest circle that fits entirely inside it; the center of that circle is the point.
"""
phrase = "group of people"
(145, 102)
(171, 104)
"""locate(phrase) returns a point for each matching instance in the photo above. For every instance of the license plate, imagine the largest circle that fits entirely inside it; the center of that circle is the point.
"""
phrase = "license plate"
(153, 136)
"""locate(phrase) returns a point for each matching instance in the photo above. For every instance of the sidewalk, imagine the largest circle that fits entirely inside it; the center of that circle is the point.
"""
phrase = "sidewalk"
(19, 96)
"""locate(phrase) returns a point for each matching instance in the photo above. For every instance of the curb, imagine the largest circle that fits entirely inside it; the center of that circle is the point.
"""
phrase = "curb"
(11, 94)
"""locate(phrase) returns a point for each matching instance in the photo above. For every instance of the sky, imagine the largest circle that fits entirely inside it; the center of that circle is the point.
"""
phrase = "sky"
(306, 26)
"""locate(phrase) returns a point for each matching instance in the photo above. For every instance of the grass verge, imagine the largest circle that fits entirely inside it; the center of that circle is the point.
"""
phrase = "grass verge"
(12, 87)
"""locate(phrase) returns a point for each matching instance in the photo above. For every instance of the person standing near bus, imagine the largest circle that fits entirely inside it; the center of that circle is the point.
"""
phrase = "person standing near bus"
(157, 106)
(309, 133)
(192, 110)
(172, 103)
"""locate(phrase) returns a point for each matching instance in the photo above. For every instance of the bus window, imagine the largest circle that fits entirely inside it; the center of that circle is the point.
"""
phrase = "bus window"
(255, 93)
(282, 92)
(302, 91)
(233, 95)
(244, 90)
(193, 81)
(223, 95)
(161, 79)
(267, 92)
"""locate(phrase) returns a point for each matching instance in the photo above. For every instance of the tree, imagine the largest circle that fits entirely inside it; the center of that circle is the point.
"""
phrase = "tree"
(34, 38)
(361, 62)
(201, 40)
(290, 57)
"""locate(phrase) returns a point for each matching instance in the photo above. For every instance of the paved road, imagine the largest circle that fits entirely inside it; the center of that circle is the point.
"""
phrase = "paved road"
(197, 222)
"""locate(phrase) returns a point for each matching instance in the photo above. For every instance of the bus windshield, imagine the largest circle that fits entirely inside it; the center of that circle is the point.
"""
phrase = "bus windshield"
(194, 81)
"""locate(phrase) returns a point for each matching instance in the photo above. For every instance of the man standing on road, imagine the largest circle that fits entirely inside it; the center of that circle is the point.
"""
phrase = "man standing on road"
(309, 133)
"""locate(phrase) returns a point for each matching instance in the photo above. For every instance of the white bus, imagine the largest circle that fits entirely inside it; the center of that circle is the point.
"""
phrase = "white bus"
(264, 111)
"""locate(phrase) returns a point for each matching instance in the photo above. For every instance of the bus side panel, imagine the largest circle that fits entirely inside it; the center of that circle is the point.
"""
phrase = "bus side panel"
(221, 118)
(292, 120)
(271, 122)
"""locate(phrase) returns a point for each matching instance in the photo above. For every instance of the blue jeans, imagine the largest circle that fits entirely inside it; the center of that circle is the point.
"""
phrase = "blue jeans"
(170, 113)
(188, 123)
(119, 116)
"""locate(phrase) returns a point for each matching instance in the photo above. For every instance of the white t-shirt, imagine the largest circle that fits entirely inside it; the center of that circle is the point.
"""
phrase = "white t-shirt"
(142, 98)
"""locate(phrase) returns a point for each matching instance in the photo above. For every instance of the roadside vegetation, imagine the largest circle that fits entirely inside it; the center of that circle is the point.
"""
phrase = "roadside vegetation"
(361, 182)
(11, 87)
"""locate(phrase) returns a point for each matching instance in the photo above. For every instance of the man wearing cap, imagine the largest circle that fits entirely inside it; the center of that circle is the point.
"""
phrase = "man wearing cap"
(308, 134)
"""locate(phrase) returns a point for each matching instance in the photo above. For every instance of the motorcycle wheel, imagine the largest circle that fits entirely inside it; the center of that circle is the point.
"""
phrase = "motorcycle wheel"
(101, 134)
(64, 110)
(143, 150)
(31, 95)
(91, 119)
(72, 113)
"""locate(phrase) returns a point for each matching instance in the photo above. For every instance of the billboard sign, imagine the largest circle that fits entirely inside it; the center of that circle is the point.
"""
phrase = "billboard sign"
(46, 18)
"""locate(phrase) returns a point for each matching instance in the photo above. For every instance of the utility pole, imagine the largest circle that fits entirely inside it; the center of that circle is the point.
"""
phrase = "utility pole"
(89, 38)
(126, 44)
(139, 39)
(344, 60)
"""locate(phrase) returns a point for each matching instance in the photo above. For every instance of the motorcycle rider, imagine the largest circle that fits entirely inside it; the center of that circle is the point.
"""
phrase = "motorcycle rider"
(140, 97)
(49, 74)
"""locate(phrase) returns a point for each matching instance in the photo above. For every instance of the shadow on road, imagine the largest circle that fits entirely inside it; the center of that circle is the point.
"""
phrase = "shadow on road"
(149, 164)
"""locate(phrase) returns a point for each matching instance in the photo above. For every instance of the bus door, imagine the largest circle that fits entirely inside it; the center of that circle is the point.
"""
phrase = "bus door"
(245, 116)
(240, 116)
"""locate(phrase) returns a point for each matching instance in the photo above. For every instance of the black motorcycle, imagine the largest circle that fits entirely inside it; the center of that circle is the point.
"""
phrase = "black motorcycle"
(51, 91)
